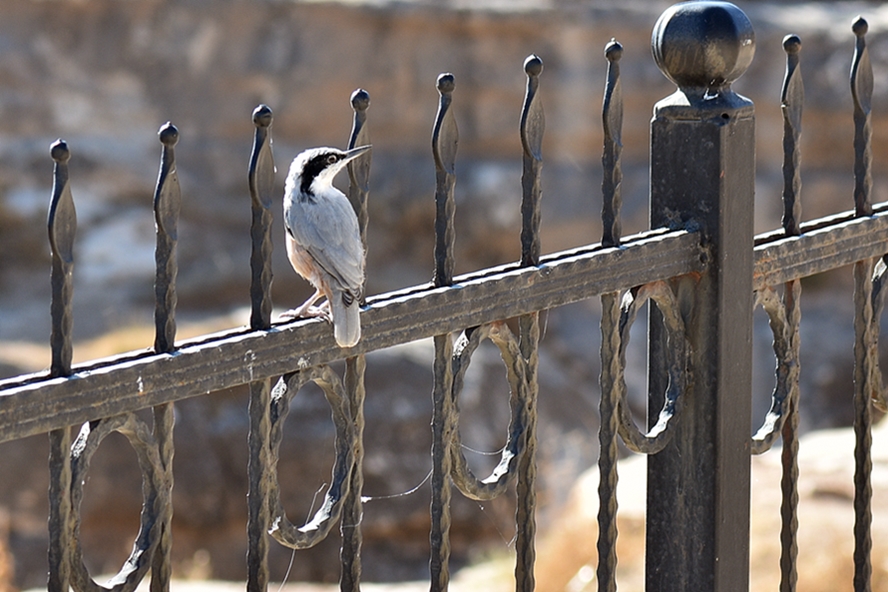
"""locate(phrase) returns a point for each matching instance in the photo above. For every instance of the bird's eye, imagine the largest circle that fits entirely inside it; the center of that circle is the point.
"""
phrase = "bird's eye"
(332, 159)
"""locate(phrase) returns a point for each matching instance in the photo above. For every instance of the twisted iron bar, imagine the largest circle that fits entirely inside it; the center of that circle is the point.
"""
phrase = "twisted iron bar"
(261, 182)
(532, 127)
(445, 138)
(154, 448)
(611, 366)
(167, 205)
(865, 363)
(612, 125)
(784, 316)
(785, 320)
(355, 367)
(62, 226)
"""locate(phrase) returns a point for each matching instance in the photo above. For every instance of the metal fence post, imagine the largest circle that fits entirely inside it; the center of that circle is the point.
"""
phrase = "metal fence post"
(702, 176)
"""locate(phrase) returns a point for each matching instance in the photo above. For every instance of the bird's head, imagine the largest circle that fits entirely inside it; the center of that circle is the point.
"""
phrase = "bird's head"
(313, 170)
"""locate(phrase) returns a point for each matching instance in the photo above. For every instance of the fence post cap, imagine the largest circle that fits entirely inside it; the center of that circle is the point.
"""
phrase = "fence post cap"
(703, 46)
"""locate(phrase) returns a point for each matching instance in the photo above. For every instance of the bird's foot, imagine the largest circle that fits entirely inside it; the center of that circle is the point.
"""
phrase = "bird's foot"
(308, 312)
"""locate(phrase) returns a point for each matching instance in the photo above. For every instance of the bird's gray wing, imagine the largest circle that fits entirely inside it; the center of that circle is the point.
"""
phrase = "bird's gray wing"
(329, 231)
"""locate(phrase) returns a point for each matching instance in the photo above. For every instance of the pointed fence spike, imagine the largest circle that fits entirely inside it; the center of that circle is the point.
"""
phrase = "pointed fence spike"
(167, 204)
(862, 95)
(445, 138)
(612, 123)
(533, 124)
(261, 181)
(792, 99)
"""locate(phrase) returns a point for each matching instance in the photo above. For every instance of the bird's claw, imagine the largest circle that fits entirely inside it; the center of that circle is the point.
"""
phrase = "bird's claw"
(308, 312)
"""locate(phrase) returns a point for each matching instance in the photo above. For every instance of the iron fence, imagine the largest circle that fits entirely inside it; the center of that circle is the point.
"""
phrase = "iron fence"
(699, 264)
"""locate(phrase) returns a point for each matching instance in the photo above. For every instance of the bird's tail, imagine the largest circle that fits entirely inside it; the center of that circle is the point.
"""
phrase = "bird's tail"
(346, 319)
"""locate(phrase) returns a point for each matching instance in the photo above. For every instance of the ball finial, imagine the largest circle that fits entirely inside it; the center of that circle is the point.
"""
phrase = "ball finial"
(262, 115)
(360, 100)
(59, 151)
(792, 44)
(533, 65)
(703, 45)
(860, 26)
(613, 51)
(168, 134)
(446, 83)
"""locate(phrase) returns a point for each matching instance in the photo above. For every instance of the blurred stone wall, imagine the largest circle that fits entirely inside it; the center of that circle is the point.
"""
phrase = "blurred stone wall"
(106, 74)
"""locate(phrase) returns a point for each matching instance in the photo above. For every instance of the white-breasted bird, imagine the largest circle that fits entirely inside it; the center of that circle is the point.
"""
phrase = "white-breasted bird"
(324, 240)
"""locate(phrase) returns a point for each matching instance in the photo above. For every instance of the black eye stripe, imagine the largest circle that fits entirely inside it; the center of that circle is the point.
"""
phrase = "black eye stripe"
(314, 167)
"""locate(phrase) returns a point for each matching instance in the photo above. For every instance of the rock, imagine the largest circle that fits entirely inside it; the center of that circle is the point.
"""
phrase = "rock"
(567, 556)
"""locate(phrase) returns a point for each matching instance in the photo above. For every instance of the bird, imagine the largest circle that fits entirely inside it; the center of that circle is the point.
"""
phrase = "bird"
(324, 243)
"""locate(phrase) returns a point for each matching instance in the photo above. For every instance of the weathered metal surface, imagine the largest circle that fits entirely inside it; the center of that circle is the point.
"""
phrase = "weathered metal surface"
(495, 484)
(659, 434)
(772, 426)
(787, 343)
(531, 128)
(62, 225)
(612, 125)
(612, 366)
(167, 205)
(865, 361)
(258, 469)
(792, 100)
(155, 490)
(611, 370)
(161, 565)
(445, 138)
(37, 403)
(702, 173)
(314, 531)
(862, 97)
(823, 244)
(261, 182)
(355, 368)
(359, 168)
(864, 332)
(353, 507)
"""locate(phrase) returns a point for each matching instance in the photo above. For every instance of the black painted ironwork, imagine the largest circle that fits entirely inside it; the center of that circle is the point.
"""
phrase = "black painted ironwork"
(445, 138)
(261, 182)
(699, 269)
(355, 367)
(702, 175)
(62, 225)
(865, 323)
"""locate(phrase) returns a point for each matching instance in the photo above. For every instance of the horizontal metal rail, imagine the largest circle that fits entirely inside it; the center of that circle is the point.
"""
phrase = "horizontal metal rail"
(825, 244)
(37, 403)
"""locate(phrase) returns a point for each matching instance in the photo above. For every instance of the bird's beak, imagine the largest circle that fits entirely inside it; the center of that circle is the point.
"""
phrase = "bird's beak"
(355, 152)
